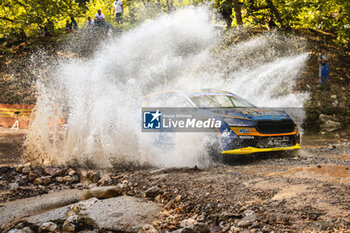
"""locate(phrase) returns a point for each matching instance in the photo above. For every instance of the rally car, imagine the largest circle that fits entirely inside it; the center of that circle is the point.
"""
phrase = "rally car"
(245, 128)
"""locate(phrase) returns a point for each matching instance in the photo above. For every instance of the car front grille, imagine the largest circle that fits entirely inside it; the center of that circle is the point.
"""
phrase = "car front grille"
(275, 127)
(266, 141)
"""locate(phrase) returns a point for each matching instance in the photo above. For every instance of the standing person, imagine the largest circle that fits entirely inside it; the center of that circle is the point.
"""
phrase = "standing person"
(323, 66)
(73, 23)
(118, 9)
(68, 26)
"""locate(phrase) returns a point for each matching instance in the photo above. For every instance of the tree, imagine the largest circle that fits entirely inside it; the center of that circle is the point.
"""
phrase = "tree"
(31, 15)
(238, 13)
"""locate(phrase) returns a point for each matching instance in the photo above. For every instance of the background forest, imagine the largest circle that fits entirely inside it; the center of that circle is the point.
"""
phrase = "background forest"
(31, 16)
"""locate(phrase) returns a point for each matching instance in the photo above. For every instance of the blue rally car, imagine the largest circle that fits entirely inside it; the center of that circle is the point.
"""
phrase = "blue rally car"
(245, 128)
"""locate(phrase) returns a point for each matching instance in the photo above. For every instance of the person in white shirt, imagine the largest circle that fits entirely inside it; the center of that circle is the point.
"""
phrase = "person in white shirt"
(100, 20)
(90, 24)
(118, 9)
(99, 17)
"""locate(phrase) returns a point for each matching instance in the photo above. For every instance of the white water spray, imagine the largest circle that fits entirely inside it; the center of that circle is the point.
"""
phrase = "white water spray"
(100, 98)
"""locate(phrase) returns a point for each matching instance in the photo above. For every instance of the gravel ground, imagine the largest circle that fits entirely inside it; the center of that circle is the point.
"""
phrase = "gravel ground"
(300, 192)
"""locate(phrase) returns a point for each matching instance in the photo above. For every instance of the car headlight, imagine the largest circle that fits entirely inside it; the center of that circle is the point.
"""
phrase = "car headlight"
(234, 122)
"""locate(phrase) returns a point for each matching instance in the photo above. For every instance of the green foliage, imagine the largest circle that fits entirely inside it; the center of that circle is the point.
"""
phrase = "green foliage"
(311, 121)
(32, 15)
(330, 16)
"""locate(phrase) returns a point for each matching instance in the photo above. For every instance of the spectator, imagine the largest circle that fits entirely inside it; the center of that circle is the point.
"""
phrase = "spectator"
(271, 24)
(73, 23)
(323, 66)
(90, 24)
(22, 35)
(100, 20)
(49, 28)
(118, 9)
(68, 26)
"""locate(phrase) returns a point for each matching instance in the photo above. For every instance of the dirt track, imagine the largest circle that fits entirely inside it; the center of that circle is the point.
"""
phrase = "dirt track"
(303, 192)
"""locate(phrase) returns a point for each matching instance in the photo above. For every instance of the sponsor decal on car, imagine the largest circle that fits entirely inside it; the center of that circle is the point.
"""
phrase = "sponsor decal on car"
(246, 137)
(244, 131)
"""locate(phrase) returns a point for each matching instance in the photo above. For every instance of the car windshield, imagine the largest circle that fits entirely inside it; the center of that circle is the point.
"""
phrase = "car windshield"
(220, 101)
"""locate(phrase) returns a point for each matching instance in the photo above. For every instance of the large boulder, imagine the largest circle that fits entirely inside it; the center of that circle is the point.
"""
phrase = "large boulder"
(323, 118)
(120, 214)
(330, 125)
(125, 214)
(22, 207)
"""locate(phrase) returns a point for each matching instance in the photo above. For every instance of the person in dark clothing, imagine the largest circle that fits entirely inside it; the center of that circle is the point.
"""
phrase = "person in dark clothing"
(271, 24)
(68, 26)
(73, 23)
(22, 35)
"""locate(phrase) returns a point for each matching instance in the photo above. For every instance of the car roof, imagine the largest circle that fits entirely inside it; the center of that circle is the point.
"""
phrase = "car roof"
(205, 91)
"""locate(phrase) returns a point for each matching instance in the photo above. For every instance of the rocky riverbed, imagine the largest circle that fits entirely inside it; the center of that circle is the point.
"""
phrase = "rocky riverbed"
(307, 191)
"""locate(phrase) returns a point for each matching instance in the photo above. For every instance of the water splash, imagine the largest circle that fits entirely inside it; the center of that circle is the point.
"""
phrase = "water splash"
(99, 98)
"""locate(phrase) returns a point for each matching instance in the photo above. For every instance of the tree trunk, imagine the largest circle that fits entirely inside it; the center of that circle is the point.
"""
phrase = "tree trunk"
(275, 12)
(228, 22)
(167, 5)
(238, 13)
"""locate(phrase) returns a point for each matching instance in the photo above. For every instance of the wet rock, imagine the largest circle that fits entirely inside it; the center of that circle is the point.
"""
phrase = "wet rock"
(178, 198)
(121, 214)
(123, 187)
(188, 223)
(59, 179)
(26, 170)
(67, 179)
(27, 230)
(32, 176)
(57, 215)
(323, 225)
(201, 218)
(4, 170)
(105, 179)
(335, 104)
(245, 231)
(323, 118)
(16, 231)
(54, 171)
(71, 172)
(38, 181)
(235, 229)
(330, 126)
(68, 226)
(215, 229)
(184, 230)
(201, 228)
(102, 192)
(48, 227)
(13, 186)
(76, 178)
(169, 205)
(23, 207)
(46, 180)
(153, 192)
(94, 176)
(247, 221)
(228, 215)
(148, 229)
(249, 212)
